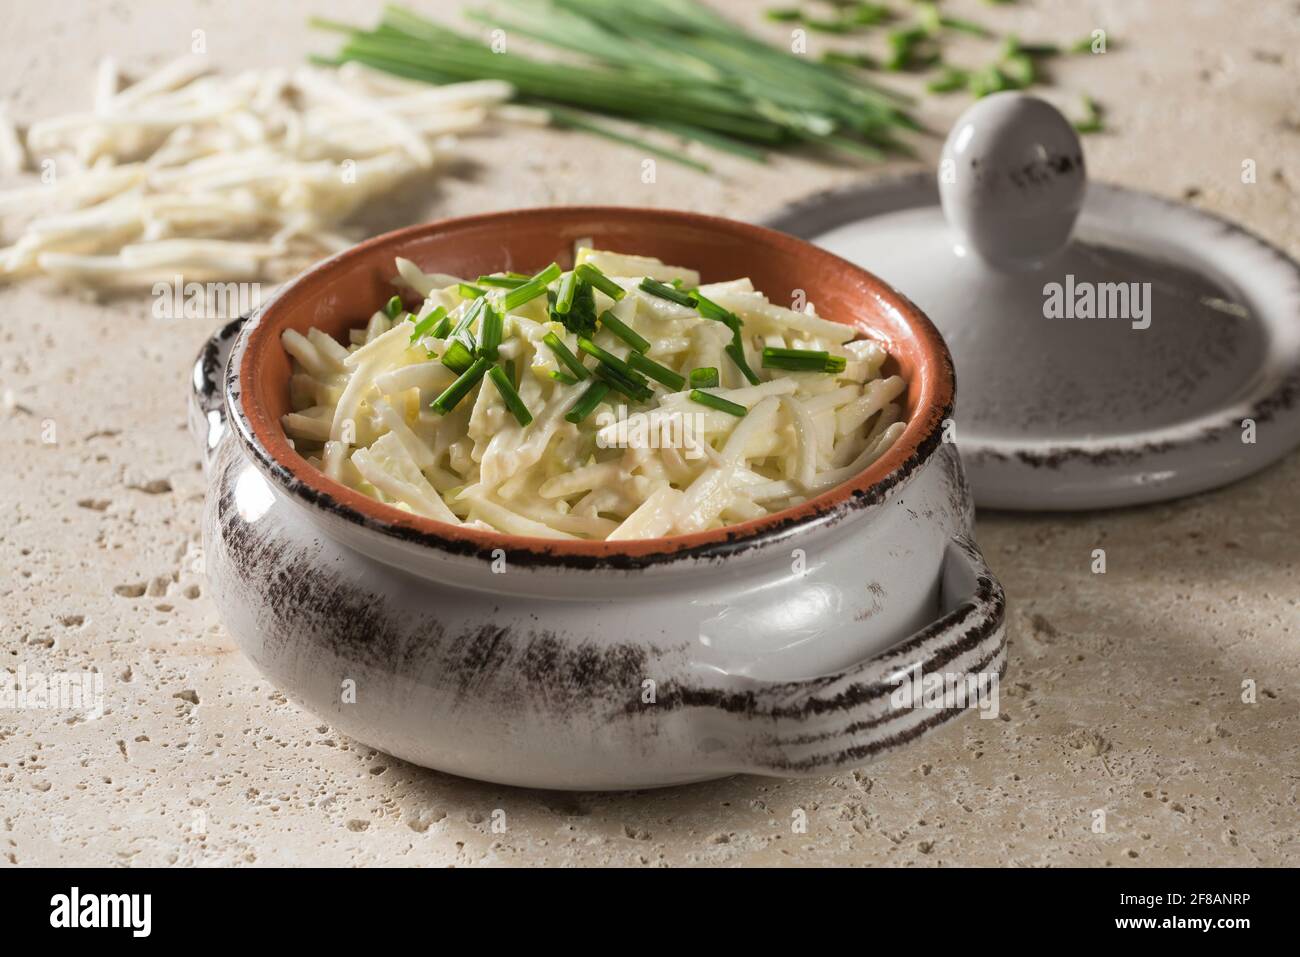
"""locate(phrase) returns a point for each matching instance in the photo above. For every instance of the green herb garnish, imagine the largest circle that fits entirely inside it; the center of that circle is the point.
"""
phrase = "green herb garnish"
(594, 277)
(594, 395)
(469, 290)
(719, 403)
(461, 387)
(655, 371)
(802, 360)
(610, 360)
(458, 356)
(508, 281)
(564, 377)
(581, 316)
(510, 395)
(565, 355)
(665, 291)
(393, 308)
(706, 377)
(428, 323)
(564, 295)
(531, 289)
(490, 332)
(615, 325)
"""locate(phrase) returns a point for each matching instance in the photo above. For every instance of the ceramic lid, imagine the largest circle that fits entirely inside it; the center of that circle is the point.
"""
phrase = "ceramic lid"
(1111, 347)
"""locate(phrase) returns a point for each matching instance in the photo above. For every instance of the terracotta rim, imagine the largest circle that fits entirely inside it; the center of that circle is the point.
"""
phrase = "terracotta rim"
(264, 438)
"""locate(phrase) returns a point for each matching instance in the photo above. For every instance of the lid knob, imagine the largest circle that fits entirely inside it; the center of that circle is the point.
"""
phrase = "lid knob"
(1011, 179)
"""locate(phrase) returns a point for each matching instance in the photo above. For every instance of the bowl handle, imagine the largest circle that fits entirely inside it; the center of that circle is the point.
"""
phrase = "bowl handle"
(823, 725)
(207, 405)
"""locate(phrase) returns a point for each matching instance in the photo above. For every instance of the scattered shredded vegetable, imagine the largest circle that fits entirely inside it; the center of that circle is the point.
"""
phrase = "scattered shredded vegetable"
(221, 177)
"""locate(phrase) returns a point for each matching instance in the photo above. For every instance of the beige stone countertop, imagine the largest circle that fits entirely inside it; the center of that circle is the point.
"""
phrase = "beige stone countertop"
(1124, 692)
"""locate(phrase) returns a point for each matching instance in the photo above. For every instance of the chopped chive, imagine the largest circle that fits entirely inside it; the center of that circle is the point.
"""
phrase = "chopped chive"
(510, 370)
(490, 332)
(564, 377)
(594, 395)
(621, 383)
(711, 310)
(594, 277)
(784, 14)
(563, 353)
(736, 350)
(616, 325)
(1019, 69)
(443, 328)
(502, 282)
(509, 395)
(861, 61)
(564, 295)
(950, 80)
(533, 288)
(665, 291)
(465, 323)
(393, 308)
(429, 322)
(655, 371)
(461, 387)
(705, 377)
(719, 403)
(609, 359)
(469, 290)
(458, 356)
(802, 360)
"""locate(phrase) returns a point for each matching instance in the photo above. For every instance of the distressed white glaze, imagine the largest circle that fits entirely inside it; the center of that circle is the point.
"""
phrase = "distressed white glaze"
(778, 659)
(1061, 413)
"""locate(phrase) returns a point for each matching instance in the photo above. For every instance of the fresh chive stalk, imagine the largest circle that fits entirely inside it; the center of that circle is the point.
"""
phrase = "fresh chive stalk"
(711, 310)
(457, 356)
(490, 332)
(719, 403)
(655, 371)
(665, 291)
(465, 324)
(533, 288)
(564, 295)
(637, 391)
(502, 282)
(595, 278)
(625, 332)
(443, 328)
(510, 395)
(468, 290)
(736, 351)
(705, 377)
(428, 324)
(564, 377)
(594, 395)
(461, 387)
(609, 359)
(393, 308)
(802, 360)
(565, 355)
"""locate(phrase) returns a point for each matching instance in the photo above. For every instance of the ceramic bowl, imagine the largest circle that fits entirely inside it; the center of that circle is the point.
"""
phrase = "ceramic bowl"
(787, 645)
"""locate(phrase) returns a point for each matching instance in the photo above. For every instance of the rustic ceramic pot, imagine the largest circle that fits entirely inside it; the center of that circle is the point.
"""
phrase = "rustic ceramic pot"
(778, 646)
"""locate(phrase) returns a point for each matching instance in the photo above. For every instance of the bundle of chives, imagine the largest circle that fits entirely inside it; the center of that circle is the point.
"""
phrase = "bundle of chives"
(670, 64)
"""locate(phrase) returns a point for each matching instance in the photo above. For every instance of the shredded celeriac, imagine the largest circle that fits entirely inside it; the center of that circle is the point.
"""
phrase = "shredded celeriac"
(372, 414)
(240, 177)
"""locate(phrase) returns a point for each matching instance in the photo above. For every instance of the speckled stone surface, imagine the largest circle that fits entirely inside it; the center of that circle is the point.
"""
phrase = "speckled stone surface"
(1124, 700)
